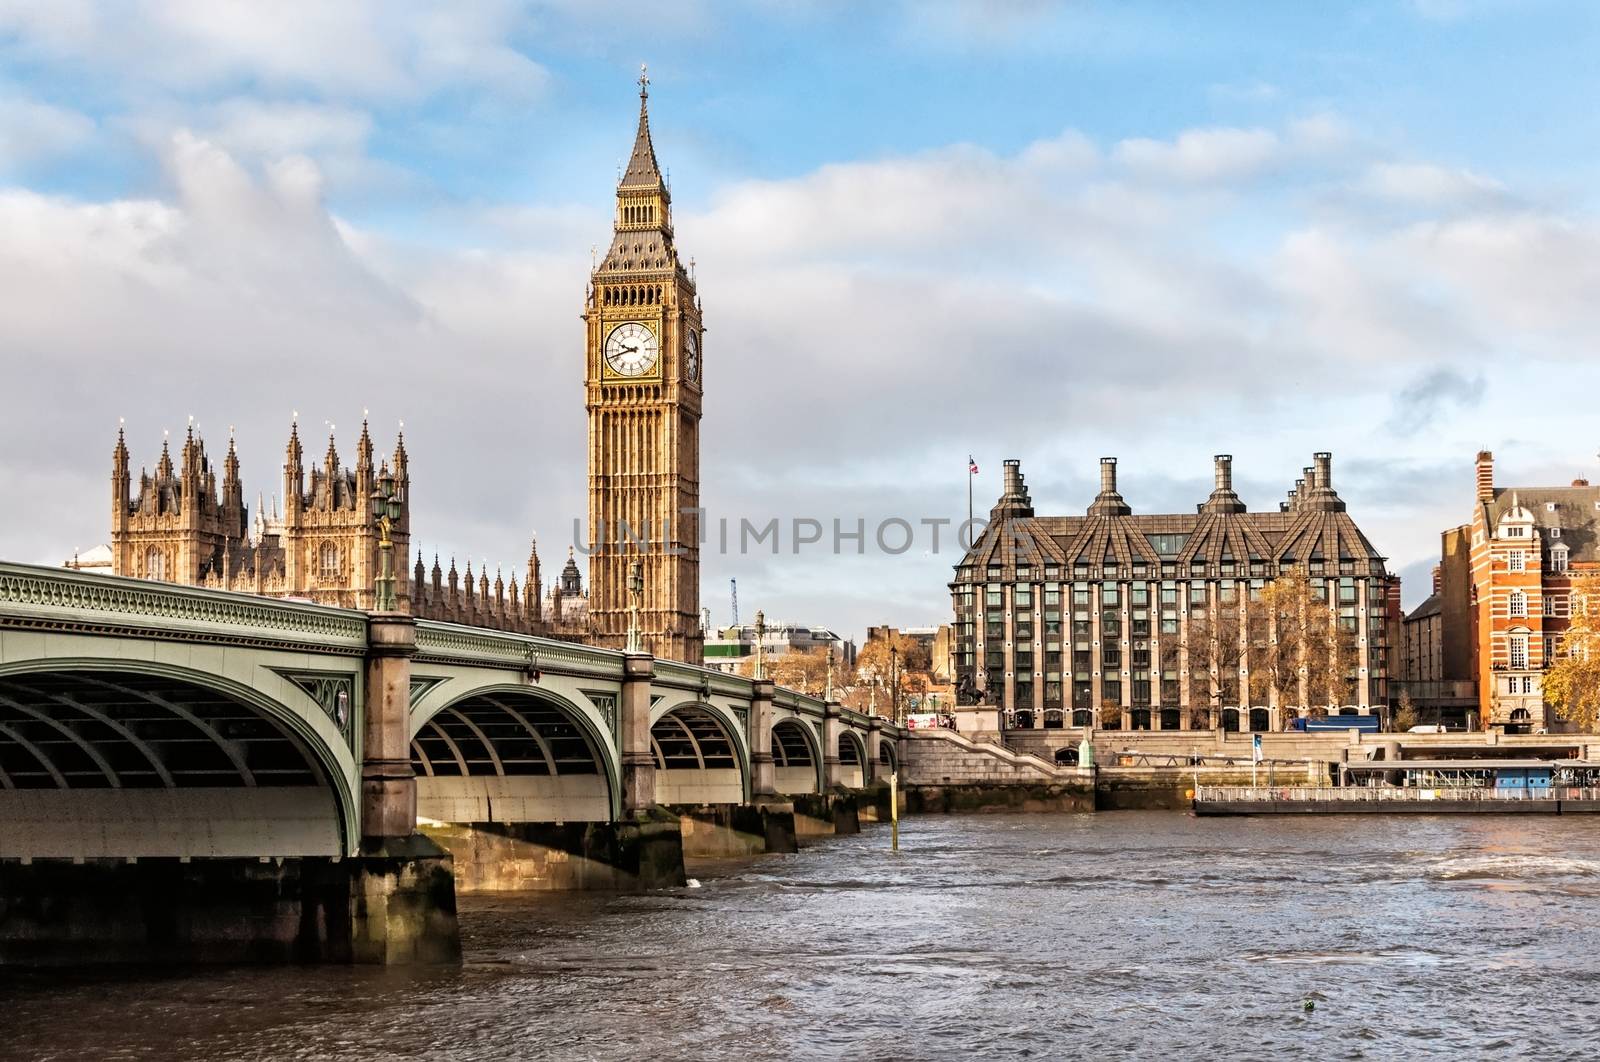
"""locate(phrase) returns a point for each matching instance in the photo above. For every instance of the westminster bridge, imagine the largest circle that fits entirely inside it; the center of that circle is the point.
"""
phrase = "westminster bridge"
(175, 746)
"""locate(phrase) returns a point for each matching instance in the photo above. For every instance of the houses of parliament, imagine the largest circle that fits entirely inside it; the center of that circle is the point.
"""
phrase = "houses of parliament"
(643, 374)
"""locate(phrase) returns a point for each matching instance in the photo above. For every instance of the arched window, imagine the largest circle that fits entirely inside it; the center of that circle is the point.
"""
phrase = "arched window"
(330, 561)
(1519, 603)
(1519, 652)
(155, 563)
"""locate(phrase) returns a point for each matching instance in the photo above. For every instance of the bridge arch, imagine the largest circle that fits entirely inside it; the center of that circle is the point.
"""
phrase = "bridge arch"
(513, 753)
(700, 757)
(888, 756)
(112, 758)
(852, 760)
(796, 758)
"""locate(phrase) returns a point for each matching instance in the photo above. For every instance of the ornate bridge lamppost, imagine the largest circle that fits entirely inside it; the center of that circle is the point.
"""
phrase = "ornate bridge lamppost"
(894, 681)
(635, 594)
(386, 510)
(761, 643)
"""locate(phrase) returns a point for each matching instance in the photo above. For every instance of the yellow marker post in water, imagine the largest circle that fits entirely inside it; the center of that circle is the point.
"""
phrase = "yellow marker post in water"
(894, 810)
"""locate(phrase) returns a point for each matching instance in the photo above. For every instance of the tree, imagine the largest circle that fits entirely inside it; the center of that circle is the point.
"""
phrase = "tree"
(805, 670)
(875, 654)
(877, 668)
(1298, 650)
(1405, 714)
(1215, 653)
(1572, 680)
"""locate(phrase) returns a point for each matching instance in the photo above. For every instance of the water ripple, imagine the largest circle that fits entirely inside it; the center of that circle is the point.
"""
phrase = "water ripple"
(1124, 935)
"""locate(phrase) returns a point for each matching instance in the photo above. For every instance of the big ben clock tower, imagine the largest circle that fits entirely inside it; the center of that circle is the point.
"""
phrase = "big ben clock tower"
(643, 396)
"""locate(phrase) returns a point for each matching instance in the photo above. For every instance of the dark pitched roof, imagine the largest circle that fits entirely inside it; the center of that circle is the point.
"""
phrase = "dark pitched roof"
(1576, 512)
(1431, 607)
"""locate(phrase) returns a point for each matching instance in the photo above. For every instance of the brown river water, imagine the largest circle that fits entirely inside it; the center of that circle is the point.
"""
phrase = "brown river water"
(1139, 935)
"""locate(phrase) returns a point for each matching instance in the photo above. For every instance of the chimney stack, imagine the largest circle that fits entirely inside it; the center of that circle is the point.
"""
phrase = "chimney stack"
(1323, 462)
(1223, 499)
(1438, 578)
(1011, 477)
(1485, 469)
(1014, 500)
(1108, 502)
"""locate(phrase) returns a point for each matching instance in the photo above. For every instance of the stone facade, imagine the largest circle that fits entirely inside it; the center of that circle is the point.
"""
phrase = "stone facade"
(183, 526)
(1435, 658)
(1529, 548)
(1059, 617)
(643, 387)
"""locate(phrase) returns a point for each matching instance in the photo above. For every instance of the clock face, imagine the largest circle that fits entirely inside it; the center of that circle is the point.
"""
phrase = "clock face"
(631, 349)
(691, 354)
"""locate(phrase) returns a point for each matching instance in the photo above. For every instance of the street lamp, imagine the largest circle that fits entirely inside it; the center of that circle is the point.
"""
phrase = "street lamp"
(761, 642)
(385, 510)
(828, 691)
(894, 679)
(635, 593)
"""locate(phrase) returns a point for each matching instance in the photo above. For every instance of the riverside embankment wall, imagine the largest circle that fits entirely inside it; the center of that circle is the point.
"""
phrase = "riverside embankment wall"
(946, 771)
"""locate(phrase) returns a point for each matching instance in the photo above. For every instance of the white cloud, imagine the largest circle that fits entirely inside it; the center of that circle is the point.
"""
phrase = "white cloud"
(362, 49)
(1218, 154)
(1428, 185)
(870, 324)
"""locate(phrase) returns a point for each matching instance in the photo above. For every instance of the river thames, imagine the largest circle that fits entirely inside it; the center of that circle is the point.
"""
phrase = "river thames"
(1131, 935)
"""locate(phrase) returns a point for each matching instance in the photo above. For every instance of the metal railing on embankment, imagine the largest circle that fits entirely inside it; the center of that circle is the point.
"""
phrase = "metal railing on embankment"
(1350, 794)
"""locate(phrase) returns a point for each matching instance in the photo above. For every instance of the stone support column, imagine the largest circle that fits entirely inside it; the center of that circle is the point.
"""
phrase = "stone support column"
(762, 778)
(388, 785)
(638, 761)
(832, 729)
(869, 770)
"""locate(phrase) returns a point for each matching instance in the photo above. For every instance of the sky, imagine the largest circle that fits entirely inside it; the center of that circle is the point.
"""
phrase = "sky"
(921, 231)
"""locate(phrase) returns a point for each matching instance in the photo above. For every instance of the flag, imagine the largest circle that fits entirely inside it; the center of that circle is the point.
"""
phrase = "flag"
(1255, 748)
(972, 466)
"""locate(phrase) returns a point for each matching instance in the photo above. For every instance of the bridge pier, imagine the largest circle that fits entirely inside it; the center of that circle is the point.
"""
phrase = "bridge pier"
(720, 831)
(388, 784)
(403, 884)
(763, 777)
(832, 731)
(640, 853)
(826, 814)
(638, 758)
(390, 907)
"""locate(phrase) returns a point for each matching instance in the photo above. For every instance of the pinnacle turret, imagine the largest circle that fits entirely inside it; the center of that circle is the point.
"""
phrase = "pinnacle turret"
(364, 447)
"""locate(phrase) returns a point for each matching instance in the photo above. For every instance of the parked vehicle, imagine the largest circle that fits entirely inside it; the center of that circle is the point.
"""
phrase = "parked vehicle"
(1367, 724)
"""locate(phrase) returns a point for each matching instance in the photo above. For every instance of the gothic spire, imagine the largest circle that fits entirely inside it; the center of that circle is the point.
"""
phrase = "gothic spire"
(364, 445)
(643, 171)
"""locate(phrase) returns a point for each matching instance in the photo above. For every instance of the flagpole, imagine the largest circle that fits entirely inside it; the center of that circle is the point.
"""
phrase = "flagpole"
(969, 496)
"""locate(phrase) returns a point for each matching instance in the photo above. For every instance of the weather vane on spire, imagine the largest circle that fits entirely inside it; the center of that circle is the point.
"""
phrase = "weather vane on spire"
(644, 80)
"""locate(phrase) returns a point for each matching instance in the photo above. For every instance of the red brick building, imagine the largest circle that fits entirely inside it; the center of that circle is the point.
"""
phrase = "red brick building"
(1528, 547)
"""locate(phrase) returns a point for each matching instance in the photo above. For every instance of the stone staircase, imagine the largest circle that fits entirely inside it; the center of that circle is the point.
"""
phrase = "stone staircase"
(944, 757)
(1112, 745)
